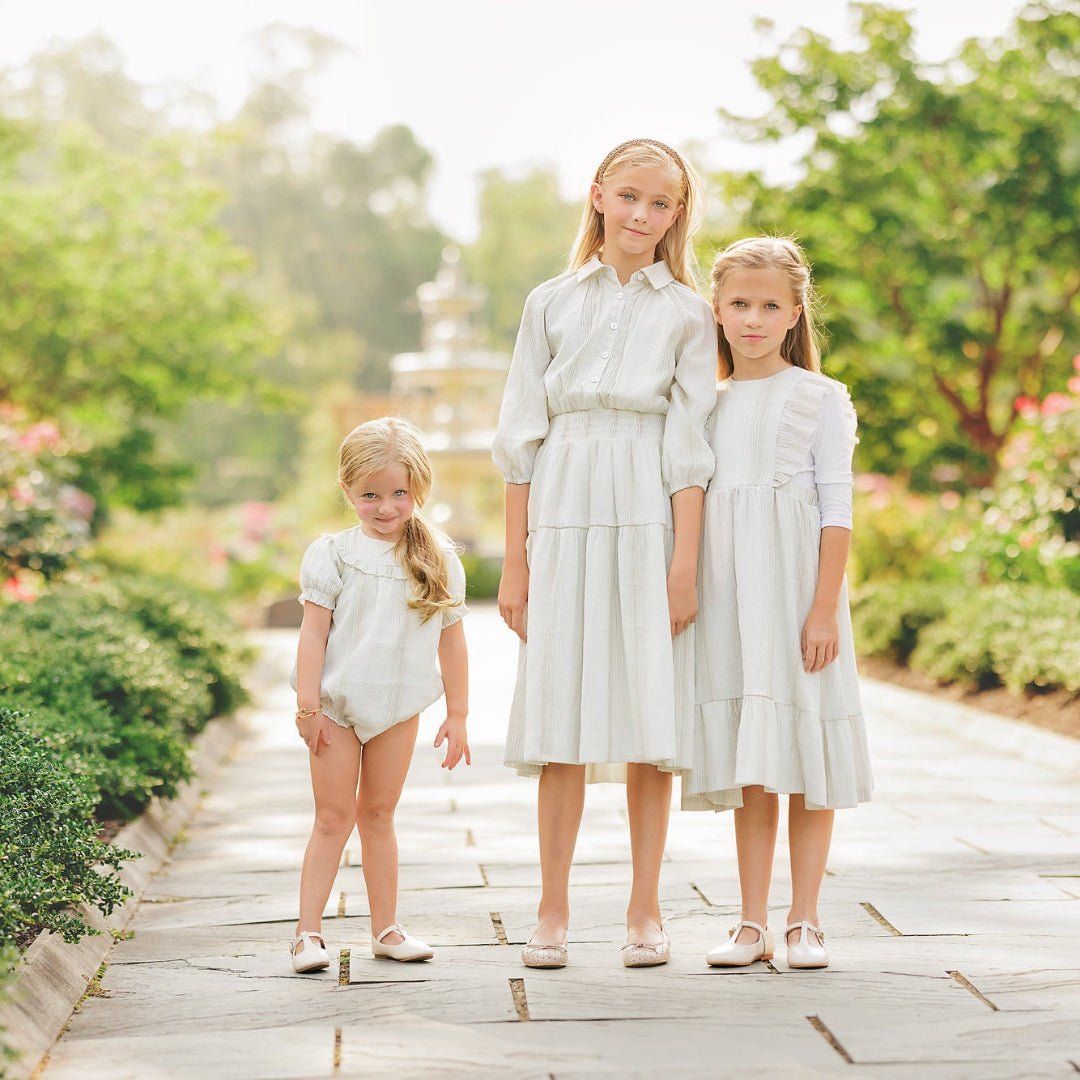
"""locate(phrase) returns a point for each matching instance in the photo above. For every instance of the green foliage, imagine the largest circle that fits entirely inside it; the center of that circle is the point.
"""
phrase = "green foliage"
(887, 618)
(1020, 636)
(123, 673)
(482, 576)
(50, 858)
(121, 300)
(525, 233)
(939, 207)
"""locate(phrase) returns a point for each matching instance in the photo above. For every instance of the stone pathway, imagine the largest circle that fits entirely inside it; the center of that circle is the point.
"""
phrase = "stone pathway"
(952, 905)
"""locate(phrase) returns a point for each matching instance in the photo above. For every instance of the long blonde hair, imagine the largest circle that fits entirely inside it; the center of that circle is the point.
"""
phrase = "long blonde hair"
(382, 444)
(675, 248)
(800, 346)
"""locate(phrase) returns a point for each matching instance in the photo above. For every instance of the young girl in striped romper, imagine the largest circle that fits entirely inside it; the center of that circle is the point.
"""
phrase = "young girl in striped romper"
(602, 444)
(382, 601)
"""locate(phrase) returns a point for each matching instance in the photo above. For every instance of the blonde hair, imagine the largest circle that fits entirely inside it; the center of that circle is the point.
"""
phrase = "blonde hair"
(674, 248)
(382, 444)
(800, 346)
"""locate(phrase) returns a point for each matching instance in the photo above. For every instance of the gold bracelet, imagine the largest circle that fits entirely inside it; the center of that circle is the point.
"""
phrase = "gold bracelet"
(303, 714)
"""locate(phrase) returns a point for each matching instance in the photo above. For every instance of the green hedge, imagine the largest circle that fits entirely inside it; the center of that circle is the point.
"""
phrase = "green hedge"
(1016, 635)
(124, 672)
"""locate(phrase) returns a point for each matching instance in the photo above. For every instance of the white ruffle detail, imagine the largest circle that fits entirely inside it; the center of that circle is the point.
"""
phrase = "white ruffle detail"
(799, 420)
(757, 741)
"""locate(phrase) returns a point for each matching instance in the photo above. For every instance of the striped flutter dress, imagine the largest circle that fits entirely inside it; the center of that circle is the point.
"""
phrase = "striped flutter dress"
(604, 415)
(783, 448)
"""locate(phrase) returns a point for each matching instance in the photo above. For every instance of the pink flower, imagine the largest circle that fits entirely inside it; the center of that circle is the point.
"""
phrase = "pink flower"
(43, 433)
(1056, 403)
(256, 520)
(1074, 384)
(1076, 363)
(950, 500)
(77, 503)
(1026, 406)
(14, 589)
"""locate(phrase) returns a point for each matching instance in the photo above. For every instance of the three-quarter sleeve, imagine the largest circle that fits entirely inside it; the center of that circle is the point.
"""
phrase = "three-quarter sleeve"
(455, 573)
(832, 449)
(320, 573)
(688, 459)
(523, 416)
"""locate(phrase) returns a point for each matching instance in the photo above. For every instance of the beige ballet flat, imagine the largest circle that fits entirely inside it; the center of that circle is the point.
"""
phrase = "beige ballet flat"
(544, 956)
(642, 954)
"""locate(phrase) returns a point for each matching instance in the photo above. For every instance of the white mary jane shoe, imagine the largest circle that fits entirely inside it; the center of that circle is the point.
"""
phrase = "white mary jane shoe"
(313, 956)
(735, 954)
(805, 951)
(408, 949)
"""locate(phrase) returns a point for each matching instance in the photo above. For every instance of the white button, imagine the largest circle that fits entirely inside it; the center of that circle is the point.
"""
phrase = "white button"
(614, 326)
(596, 378)
(603, 356)
(618, 296)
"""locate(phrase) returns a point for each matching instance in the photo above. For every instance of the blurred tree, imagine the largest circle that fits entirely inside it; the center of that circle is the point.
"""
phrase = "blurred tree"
(121, 300)
(939, 206)
(525, 235)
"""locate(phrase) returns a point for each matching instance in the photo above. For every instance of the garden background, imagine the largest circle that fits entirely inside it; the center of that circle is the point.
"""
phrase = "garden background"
(186, 299)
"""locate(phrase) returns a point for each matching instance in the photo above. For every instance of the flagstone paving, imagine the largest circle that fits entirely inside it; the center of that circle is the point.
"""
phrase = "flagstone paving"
(952, 905)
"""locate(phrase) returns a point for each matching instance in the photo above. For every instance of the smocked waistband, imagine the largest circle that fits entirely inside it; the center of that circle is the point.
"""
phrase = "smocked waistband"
(606, 424)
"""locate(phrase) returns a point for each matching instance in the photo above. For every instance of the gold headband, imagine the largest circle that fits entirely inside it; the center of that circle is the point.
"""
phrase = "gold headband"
(641, 142)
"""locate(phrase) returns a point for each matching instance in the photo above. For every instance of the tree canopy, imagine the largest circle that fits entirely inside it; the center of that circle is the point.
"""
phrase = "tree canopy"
(939, 204)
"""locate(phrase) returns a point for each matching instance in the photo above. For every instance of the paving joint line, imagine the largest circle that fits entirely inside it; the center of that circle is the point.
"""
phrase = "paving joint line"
(500, 930)
(878, 917)
(972, 989)
(708, 902)
(521, 1004)
(822, 1029)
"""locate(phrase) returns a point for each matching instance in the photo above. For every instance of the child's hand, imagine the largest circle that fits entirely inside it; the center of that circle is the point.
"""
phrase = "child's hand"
(820, 639)
(457, 744)
(682, 601)
(514, 598)
(314, 730)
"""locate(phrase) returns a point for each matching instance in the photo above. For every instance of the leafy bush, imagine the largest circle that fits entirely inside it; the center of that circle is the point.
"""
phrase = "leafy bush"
(124, 672)
(482, 576)
(1022, 637)
(888, 618)
(50, 858)
(1015, 635)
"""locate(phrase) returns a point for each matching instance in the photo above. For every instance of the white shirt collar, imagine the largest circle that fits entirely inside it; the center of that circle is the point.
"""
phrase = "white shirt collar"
(658, 274)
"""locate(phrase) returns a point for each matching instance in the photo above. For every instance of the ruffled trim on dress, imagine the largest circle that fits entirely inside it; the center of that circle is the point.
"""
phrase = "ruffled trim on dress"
(345, 548)
(799, 421)
(757, 741)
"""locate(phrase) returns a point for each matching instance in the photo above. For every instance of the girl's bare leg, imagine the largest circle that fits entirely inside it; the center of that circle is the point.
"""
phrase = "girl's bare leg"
(384, 764)
(334, 772)
(648, 806)
(809, 838)
(755, 842)
(560, 802)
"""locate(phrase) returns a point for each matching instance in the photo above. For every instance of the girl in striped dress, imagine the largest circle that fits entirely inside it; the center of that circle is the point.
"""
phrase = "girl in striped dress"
(778, 707)
(382, 601)
(601, 441)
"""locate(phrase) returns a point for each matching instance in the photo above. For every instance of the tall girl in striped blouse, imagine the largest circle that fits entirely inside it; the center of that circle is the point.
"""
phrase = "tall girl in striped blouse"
(382, 601)
(602, 444)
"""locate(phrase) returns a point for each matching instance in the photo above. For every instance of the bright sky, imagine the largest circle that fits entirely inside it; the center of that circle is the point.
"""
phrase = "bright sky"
(493, 83)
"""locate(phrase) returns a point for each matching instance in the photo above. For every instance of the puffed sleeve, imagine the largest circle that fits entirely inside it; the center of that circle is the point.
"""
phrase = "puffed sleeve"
(455, 573)
(688, 459)
(320, 573)
(523, 416)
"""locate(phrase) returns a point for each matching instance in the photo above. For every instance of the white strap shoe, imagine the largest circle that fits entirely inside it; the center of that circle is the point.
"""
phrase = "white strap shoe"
(734, 954)
(408, 948)
(312, 955)
(806, 951)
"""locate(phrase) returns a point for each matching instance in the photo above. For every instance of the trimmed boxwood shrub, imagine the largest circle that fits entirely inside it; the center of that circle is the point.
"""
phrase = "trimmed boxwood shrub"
(1016, 635)
(51, 860)
(125, 672)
